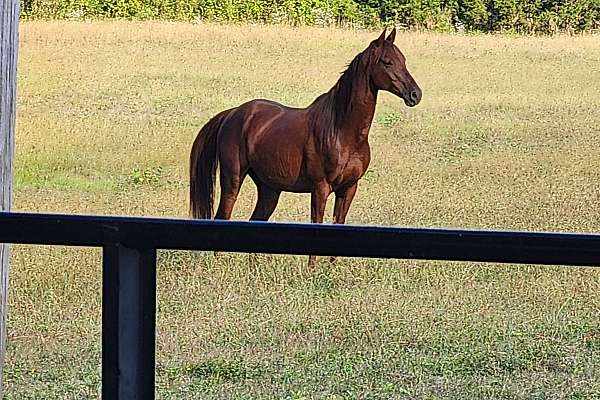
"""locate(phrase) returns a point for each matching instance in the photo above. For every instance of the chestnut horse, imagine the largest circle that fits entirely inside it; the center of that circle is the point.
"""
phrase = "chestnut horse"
(318, 150)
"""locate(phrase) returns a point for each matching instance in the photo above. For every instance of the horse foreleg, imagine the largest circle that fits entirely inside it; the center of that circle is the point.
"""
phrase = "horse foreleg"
(343, 199)
(318, 200)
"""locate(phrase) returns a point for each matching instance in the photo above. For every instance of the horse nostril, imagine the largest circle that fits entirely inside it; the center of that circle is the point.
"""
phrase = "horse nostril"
(414, 95)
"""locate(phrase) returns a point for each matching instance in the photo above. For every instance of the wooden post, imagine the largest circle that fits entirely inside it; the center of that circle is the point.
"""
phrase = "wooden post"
(9, 39)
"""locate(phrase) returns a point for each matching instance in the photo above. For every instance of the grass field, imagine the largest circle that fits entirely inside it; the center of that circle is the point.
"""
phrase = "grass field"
(507, 136)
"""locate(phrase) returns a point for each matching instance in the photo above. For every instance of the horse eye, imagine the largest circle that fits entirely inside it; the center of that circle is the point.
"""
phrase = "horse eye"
(387, 63)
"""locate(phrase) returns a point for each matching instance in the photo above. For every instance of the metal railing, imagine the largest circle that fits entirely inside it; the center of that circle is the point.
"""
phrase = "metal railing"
(129, 264)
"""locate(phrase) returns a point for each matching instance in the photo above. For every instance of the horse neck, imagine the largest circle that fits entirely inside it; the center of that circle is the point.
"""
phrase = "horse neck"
(360, 117)
(355, 123)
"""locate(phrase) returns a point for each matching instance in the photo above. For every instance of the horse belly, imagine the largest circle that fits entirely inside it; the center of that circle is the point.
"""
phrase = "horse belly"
(276, 159)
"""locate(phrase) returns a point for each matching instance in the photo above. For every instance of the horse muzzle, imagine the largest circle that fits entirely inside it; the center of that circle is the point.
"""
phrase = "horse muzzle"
(412, 97)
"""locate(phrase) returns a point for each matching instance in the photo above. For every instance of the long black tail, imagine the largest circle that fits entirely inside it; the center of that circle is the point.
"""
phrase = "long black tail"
(203, 168)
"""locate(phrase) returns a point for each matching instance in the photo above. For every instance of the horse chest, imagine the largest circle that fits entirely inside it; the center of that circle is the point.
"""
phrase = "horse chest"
(350, 167)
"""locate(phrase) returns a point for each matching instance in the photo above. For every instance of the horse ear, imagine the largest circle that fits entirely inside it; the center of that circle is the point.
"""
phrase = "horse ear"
(381, 38)
(376, 48)
(392, 36)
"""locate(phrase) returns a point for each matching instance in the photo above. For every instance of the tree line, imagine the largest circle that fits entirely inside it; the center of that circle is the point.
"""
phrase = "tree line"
(519, 16)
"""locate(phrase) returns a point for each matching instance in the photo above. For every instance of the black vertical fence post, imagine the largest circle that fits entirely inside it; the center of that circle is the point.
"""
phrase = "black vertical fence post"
(128, 322)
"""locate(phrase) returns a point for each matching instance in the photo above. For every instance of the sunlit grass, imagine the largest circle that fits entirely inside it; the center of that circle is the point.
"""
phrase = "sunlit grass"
(507, 136)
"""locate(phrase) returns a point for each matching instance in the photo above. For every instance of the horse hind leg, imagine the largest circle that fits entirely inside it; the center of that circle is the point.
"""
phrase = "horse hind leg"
(264, 208)
(231, 178)
(266, 202)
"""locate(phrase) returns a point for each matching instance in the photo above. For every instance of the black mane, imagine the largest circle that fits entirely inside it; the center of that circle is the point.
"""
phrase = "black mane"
(330, 109)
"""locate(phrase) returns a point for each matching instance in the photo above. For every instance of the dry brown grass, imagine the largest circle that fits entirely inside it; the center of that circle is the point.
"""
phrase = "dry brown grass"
(507, 136)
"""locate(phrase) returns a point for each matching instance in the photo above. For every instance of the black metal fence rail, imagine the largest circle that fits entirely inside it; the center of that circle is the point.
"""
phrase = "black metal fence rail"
(290, 238)
(129, 264)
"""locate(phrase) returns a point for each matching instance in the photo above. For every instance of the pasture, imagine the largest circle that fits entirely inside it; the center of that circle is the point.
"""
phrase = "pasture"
(507, 136)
